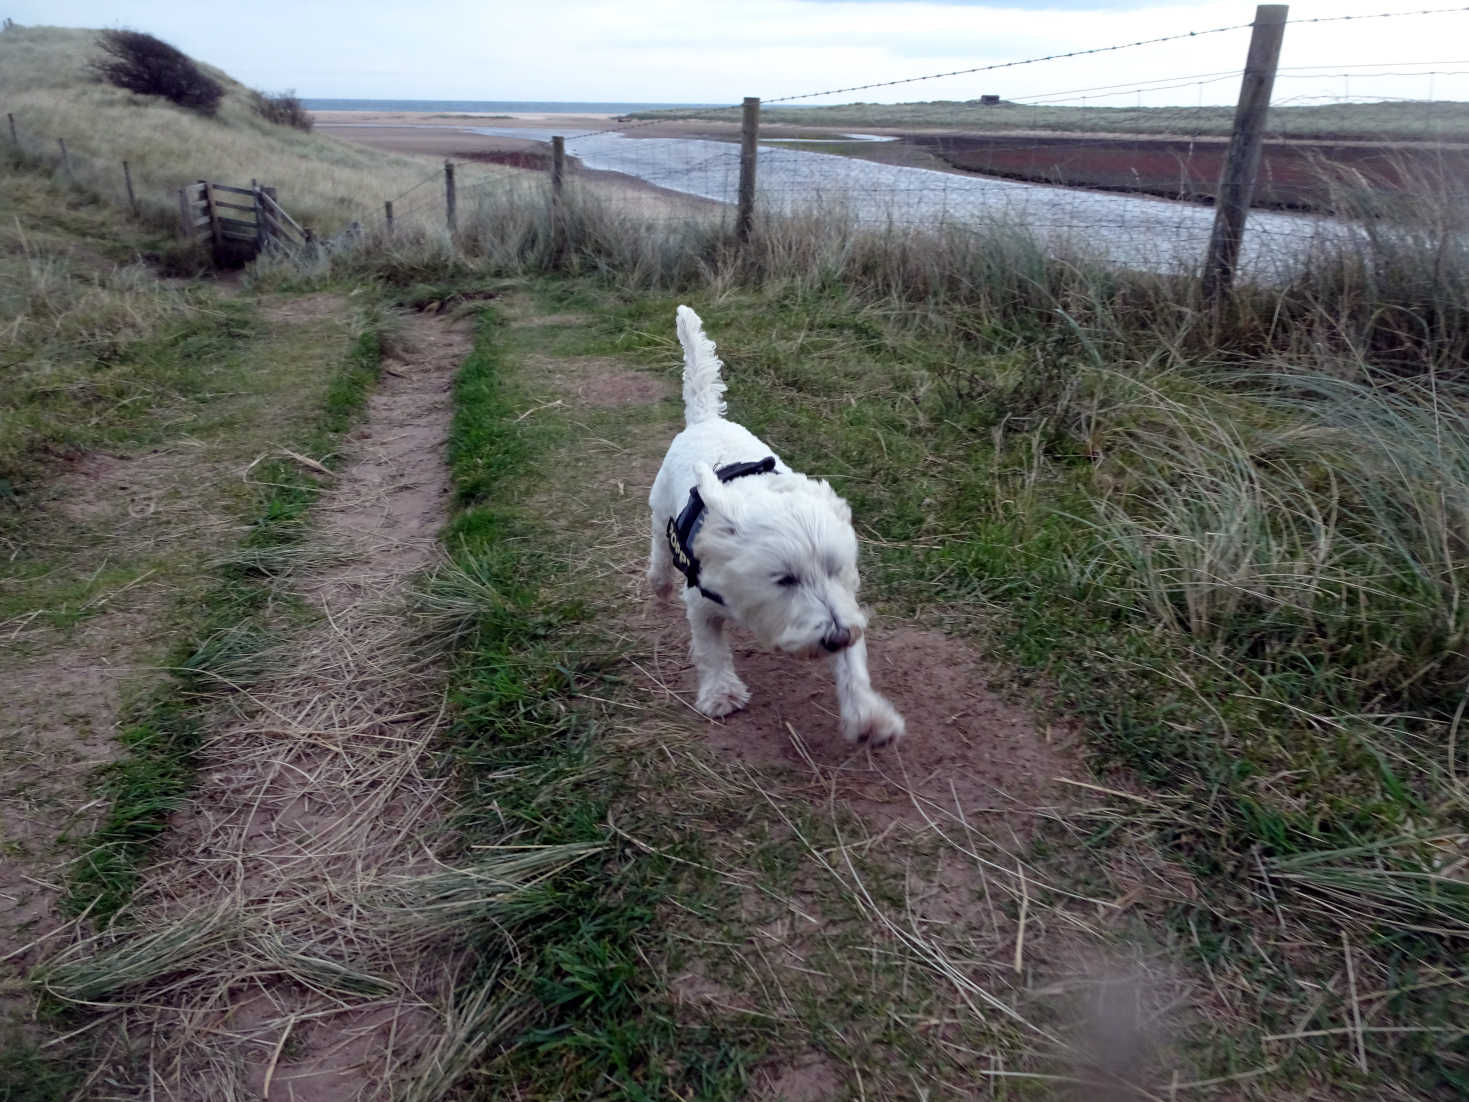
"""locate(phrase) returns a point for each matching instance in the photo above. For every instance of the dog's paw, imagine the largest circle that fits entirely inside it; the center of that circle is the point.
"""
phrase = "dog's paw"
(874, 721)
(723, 697)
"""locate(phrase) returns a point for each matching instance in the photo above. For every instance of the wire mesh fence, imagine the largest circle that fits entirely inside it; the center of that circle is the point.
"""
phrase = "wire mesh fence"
(1097, 169)
(1125, 172)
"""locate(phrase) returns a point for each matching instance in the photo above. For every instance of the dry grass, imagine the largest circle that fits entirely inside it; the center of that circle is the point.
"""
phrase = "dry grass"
(325, 183)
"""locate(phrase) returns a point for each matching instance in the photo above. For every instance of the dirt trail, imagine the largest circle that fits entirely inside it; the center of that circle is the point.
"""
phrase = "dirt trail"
(313, 799)
(112, 546)
(969, 747)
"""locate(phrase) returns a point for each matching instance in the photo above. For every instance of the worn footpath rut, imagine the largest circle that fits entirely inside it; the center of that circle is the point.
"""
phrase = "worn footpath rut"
(282, 961)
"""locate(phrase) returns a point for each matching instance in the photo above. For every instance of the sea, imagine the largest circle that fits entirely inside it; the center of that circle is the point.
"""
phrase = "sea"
(491, 106)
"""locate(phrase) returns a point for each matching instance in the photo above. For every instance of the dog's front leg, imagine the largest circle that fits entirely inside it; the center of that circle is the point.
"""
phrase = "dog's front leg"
(866, 714)
(720, 689)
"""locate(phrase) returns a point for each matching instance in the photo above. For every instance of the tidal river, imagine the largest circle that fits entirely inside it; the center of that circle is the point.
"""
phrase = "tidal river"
(1135, 231)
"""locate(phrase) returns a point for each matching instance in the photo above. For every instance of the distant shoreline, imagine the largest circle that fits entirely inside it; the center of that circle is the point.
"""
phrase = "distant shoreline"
(445, 133)
(491, 107)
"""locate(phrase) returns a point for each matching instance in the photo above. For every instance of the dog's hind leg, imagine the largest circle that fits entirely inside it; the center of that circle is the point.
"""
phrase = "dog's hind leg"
(662, 577)
(720, 689)
(866, 714)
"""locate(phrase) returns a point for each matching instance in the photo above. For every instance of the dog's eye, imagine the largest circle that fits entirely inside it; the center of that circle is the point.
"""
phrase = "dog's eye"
(788, 580)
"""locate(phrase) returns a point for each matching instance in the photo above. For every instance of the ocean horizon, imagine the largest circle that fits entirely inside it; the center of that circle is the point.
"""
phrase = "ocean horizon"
(491, 106)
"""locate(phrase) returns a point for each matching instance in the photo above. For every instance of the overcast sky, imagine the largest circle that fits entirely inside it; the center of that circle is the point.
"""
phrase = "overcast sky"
(695, 51)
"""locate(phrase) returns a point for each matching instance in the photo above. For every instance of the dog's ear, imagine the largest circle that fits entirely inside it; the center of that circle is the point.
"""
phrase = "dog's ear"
(716, 498)
(838, 503)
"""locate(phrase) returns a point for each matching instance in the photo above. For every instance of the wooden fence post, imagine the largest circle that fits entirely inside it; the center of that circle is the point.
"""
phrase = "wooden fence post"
(127, 178)
(65, 159)
(1242, 163)
(262, 231)
(558, 213)
(215, 229)
(449, 211)
(558, 168)
(388, 211)
(14, 138)
(749, 133)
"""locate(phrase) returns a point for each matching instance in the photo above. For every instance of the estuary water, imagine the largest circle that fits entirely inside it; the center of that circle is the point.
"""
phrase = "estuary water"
(1135, 231)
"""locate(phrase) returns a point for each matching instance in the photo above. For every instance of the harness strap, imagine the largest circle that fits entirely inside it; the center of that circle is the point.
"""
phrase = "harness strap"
(683, 528)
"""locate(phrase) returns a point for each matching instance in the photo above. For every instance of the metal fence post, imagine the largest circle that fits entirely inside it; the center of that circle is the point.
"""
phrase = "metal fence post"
(388, 213)
(749, 134)
(14, 138)
(1242, 163)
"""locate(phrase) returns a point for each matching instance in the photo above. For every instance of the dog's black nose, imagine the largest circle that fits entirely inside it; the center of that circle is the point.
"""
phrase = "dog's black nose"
(839, 639)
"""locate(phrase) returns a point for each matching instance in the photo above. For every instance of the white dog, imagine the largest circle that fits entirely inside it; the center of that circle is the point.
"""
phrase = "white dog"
(760, 545)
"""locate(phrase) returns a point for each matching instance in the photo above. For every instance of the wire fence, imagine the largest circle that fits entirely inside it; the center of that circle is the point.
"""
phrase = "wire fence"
(1126, 171)
(1097, 167)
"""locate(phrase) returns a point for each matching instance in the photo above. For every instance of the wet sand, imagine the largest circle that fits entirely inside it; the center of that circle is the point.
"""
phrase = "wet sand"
(445, 135)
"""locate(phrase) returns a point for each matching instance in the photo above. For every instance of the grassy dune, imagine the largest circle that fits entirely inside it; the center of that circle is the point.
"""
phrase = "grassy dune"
(325, 183)
(1446, 121)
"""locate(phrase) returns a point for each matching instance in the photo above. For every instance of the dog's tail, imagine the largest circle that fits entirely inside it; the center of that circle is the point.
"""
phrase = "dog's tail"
(703, 389)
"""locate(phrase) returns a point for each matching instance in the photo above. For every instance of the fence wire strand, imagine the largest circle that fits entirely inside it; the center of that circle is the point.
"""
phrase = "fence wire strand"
(938, 181)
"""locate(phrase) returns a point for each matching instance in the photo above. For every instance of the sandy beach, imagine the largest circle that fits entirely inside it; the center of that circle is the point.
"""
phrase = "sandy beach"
(445, 135)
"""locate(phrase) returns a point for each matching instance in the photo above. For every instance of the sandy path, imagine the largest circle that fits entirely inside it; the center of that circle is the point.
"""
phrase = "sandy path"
(276, 977)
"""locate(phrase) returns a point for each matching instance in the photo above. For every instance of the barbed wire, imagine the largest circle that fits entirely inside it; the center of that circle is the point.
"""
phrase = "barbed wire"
(1184, 80)
(1379, 15)
(1011, 64)
(712, 111)
(1099, 50)
(436, 174)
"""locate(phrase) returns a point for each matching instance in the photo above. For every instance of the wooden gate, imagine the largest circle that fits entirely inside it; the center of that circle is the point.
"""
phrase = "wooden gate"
(249, 219)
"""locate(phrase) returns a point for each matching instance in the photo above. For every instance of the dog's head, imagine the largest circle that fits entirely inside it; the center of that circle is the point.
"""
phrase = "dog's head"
(781, 552)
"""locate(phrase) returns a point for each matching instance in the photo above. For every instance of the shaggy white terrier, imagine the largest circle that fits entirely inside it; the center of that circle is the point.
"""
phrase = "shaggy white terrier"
(758, 544)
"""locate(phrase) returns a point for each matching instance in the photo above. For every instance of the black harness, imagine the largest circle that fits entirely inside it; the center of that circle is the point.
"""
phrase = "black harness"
(683, 528)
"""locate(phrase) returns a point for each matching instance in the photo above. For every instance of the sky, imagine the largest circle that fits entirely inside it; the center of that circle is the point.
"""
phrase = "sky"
(696, 51)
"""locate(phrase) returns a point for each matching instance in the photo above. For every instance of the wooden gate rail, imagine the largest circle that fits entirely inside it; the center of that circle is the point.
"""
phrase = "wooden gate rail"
(202, 213)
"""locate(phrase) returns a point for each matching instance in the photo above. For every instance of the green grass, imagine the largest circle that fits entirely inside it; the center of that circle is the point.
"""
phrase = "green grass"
(1230, 544)
(707, 857)
(99, 352)
(534, 770)
(1296, 739)
(31, 1074)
